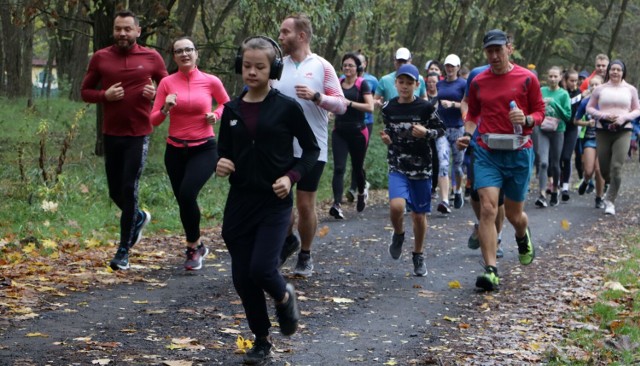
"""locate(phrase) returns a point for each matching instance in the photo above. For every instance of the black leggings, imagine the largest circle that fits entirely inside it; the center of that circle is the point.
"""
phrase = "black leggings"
(124, 158)
(254, 228)
(354, 178)
(348, 142)
(568, 146)
(189, 170)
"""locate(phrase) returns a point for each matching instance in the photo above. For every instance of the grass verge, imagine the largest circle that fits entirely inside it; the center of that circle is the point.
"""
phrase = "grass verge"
(614, 335)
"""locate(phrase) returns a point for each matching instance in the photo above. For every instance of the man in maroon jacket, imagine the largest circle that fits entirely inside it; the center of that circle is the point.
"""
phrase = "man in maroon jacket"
(125, 73)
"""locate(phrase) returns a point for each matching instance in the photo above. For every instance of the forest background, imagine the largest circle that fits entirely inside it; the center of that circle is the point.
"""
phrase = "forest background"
(567, 33)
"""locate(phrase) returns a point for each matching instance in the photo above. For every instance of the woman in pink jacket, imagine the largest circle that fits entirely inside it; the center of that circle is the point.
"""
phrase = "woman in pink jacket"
(191, 155)
(614, 105)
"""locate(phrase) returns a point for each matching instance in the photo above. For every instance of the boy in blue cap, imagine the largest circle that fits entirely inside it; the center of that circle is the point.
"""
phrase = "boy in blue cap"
(410, 124)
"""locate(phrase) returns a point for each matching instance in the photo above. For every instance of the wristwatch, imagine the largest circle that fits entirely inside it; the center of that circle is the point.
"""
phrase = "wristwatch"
(528, 121)
(467, 134)
(316, 97)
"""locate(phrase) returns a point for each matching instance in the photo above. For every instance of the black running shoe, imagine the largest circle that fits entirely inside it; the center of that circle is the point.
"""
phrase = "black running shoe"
(120, 260)
(260, 351)
(291, 245)
(288, 313)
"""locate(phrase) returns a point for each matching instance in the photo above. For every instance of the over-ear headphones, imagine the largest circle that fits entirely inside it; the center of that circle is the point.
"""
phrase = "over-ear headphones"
(276, 66)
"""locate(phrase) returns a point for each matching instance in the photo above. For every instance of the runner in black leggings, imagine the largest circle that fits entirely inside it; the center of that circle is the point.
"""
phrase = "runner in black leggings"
(350, 135)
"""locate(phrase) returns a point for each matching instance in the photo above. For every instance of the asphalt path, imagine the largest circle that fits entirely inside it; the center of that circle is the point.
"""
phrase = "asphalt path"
(360, 307)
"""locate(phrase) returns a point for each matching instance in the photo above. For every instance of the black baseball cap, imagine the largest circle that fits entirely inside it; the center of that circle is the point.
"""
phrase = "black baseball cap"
(494, 37)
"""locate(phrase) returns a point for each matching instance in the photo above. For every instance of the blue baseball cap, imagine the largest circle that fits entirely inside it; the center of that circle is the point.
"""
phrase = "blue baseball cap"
(409, 70)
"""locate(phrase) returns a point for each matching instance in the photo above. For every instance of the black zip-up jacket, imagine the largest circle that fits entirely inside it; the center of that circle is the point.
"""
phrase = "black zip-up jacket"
(261, 161)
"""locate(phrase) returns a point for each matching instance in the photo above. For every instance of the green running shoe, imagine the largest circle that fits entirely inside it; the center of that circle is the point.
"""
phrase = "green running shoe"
(526, 250)
(489, 280)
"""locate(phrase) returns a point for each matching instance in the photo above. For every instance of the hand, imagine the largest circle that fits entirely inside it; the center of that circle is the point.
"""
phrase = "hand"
(620, 120)
(516, 116)
(115, 92)
(225, 167)
(385, 138)
(447, 104)
(304, 92)
(418, 131)
(211, 118)
(378, 103)
(149, 90)
(170, 101)
(463, 142)
(282, 186)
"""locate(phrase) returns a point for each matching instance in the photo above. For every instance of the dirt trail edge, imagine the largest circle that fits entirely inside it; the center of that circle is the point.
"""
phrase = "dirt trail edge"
(360, 307)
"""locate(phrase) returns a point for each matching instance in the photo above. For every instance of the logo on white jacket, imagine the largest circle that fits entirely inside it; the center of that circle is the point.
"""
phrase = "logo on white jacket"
(233, 122)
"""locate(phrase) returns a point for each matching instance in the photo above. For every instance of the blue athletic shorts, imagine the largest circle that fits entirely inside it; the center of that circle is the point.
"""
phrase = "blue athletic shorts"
(589, 143)
(417, 192)
(509, 170)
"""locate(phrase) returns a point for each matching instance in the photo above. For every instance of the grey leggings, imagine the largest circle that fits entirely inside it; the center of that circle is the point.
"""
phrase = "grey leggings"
(612, 152)
(548, 147)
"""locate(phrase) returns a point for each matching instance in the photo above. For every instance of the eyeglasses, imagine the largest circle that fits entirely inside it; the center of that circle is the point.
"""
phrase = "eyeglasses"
(186, 50)
(344, 66)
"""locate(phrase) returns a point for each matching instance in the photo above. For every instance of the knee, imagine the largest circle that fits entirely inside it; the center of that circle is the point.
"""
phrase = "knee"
(544, 165)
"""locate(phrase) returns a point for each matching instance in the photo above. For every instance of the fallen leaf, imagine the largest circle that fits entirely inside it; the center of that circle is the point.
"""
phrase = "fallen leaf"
(177, 363)
(565, 225)
(102, 361)
(323, 231)
(455, 284)
(341, 300)
(37, 334)
(243, 345)
(616, 286)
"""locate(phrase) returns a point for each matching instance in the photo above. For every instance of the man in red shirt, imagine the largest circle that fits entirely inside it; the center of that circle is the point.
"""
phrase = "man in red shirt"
(506, 98)
(602, 61)
(125, 72)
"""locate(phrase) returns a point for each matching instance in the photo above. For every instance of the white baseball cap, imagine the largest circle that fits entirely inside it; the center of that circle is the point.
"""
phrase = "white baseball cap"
(403, 54)
(452, 60)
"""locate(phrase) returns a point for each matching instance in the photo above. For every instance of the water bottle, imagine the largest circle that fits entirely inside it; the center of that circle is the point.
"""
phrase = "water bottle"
(517, 129)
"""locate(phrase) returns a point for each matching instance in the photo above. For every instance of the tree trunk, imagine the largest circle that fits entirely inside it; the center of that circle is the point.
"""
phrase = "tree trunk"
(595, 33)
(17, 33)
(616, 30)
(102, 37)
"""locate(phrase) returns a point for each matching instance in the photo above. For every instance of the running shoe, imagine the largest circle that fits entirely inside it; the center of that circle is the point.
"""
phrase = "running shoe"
(583, 187)
(458, 201)
(120, 260)
(288, 313)
(291, 245)
(351, 195)
(259, 353)
(591, 186)
(541, 202)
(526, 250)
(195, 256)
(499, 251)
(599, 203)
(554, 199)
(144, 217)
(474, 240)
(489, 280)
(304, 266)
(395, 248)
(565, 196)
(336, 212)
(443, 207)
(419, 267)
(362, 201)
(609, 208)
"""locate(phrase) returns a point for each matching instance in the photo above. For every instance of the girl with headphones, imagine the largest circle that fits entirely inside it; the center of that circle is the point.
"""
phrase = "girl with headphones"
(350, 134)
(255, 145)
